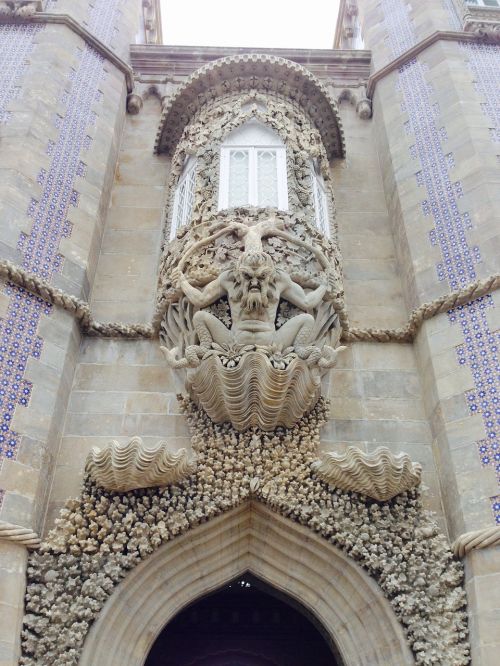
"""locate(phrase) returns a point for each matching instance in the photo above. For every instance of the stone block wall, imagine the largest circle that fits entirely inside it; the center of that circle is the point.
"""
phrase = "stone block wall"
(437, 132)
(62, 108)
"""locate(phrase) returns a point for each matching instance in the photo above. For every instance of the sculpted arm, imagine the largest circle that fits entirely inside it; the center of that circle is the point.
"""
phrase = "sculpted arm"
(200, 298)
(297, 296)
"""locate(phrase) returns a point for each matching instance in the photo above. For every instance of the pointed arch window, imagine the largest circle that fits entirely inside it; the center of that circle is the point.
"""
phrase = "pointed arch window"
(320, 200)
(253, 168)
(184, 196)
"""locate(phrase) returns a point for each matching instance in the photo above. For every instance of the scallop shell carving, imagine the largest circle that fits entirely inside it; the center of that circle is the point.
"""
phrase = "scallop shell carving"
(123, 467)
(254, 393)
(380, 475)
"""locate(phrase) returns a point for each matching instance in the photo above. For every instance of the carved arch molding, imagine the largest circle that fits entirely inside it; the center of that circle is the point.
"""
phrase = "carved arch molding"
(266, 73)
(252, 538)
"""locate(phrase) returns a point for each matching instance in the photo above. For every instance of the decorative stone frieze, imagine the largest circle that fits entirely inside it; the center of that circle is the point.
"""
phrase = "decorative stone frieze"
(380, 475)
(129, 466)
(102, 535)
(488, 31)
(19, 9)
(259, 72)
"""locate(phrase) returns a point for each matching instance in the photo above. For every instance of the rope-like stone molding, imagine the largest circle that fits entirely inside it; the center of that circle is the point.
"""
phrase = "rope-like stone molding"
(476, 540)
(22, 536)
(76, 307)
(88, 325)
(88, 37)
(425, 311)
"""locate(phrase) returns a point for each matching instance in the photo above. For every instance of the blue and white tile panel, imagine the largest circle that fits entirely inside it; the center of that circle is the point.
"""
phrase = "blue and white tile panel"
(441, 193)
(51, 212)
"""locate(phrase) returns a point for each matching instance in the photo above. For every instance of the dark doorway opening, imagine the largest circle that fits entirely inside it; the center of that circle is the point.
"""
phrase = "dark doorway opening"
(245, 623)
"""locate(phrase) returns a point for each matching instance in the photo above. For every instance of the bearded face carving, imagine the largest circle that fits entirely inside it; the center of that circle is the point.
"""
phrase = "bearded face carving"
(255, 281)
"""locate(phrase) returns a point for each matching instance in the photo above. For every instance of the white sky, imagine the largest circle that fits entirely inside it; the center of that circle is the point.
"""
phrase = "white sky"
(301, 24)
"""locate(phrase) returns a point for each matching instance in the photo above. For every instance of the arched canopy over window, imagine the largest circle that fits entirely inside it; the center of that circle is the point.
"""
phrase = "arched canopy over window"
(253, 168)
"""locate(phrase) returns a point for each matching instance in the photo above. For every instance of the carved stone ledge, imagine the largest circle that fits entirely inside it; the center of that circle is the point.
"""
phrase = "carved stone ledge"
(64, 19)
(22, 536)
(380, 475)
(488, 31)
(19, 9)
(133, 465)
(489, 537)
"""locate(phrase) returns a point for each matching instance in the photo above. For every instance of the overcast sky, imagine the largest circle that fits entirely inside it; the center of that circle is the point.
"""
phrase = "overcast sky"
(305, 24)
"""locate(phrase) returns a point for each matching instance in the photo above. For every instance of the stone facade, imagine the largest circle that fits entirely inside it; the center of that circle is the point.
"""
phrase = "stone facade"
(405, 134)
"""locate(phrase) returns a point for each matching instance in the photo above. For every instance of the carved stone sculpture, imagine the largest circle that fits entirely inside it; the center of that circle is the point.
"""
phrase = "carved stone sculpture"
(133, 465)
(381, 475)
(247, 369)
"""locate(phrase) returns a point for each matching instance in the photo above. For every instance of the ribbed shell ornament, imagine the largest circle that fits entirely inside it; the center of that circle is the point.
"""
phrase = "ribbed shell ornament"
(380, 475)
(124, 467)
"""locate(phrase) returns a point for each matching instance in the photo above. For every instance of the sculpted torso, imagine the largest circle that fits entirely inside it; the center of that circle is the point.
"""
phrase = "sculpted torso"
(253, 289)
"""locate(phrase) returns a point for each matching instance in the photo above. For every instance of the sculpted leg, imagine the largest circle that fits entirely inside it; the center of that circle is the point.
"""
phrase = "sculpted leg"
(296, 331)
(210, 329)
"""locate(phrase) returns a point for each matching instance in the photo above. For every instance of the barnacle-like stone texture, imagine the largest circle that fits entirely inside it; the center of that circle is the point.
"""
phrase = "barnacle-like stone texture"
(103, 534)
(381, 474)
(132, 465)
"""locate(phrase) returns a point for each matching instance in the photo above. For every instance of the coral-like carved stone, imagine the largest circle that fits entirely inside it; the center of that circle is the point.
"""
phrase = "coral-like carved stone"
(124, 467)
(254, 392)
(380, 475)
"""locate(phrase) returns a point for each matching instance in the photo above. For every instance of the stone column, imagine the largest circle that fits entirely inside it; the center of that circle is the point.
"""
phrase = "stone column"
(62, 109)
(437, 131)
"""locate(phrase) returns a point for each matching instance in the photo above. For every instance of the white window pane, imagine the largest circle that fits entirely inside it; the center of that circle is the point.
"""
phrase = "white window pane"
(184, 199)
(188, 198)
(320, 203)
(267, 178)
(238, 178)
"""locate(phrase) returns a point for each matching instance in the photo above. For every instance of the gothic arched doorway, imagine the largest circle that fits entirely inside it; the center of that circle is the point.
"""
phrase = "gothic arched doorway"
(251, 538)
(244, 623)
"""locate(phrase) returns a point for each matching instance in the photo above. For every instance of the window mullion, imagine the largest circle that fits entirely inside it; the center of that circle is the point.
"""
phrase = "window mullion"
(252, 177)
